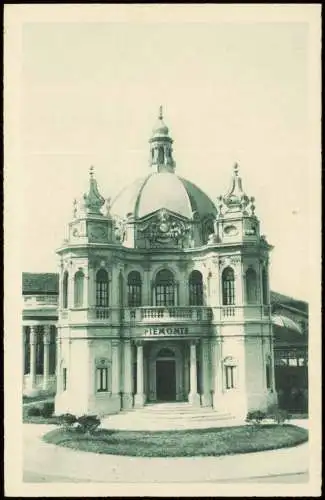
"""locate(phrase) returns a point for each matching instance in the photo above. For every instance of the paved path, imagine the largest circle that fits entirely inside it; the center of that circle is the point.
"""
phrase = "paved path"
(47, 462)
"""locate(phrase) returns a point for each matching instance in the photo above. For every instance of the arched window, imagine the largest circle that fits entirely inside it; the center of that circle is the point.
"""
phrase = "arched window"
(134, 289)
(196, 289)
(121, 288)
(102, 288)
(251, 286)
(78, 288)
(160, 154)
(228, 287)
(65, 289)
(265, 286)
(165, 288)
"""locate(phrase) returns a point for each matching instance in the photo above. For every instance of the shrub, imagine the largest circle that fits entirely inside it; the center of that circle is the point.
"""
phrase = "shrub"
(34, 411)
(88, 423)
(67, 420)
(280, 416)
(47, 410)
(255, 417)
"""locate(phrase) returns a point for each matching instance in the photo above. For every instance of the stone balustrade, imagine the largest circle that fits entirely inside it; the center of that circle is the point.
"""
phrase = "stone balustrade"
(40, 301)
(164, 315)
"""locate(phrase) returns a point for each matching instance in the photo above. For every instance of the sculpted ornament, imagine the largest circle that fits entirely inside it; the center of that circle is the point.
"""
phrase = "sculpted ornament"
(120, 229)
(165, 229)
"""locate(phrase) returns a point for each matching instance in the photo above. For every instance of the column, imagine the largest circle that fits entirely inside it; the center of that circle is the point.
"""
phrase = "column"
(127, 396)
(193, 396)
(23, 356)
(205, 373)
(58, 371)
(146, 290)
(46, 361)
(115, 369)
(217, 375)
(32, 368)
(139, 399)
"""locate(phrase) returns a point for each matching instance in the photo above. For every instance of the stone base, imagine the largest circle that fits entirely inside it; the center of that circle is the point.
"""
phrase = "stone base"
(194, 399)
(206, 399)
(127, 401)
(139, 400)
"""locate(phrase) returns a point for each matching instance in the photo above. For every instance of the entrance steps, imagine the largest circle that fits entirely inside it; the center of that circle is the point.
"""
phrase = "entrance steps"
(169, 416)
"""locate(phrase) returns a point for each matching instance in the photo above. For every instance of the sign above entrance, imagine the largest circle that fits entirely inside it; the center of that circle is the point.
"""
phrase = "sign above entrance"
(161, 331)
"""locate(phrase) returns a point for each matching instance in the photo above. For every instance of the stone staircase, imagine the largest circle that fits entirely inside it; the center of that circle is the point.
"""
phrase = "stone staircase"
(168, 416)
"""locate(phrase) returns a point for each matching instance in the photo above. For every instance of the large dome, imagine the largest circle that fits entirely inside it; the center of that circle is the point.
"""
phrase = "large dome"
(162, 190)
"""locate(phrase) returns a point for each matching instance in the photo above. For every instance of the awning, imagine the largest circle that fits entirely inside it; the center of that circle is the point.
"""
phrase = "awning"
(285, 322)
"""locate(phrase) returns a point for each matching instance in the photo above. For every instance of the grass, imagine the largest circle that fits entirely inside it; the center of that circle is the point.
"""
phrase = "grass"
(28, 419)
(183, 443)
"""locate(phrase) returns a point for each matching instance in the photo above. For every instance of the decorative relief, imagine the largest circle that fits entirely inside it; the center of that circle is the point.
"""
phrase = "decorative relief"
(251, 230)
(230, 230)
(120, 229)
(164, 229)
(97, 232)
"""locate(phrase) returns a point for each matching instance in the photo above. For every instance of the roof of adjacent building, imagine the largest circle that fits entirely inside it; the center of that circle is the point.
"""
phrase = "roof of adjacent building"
(286, 301)
(40, 283)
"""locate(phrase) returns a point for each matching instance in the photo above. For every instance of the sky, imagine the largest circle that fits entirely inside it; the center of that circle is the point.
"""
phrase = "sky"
(231, 92)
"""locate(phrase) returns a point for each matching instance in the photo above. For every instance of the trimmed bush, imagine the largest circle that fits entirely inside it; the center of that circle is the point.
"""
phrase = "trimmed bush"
(67, 420)
(47, 409)
(34, 411)
(88, 423)
(280, 416)
(256, 417)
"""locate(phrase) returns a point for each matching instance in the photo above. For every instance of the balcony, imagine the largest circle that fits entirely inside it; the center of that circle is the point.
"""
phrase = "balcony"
(168, 314)
(35, 301)
(164, 315)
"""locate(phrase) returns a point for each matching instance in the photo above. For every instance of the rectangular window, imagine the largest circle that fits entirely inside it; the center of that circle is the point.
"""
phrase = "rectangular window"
(64, 377)
(102, 379)
(230, 377)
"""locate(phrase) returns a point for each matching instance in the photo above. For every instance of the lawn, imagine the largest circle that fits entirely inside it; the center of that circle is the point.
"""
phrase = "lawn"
(183, 443)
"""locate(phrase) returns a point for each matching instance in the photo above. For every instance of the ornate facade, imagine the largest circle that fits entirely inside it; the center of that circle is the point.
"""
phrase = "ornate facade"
(163, 296)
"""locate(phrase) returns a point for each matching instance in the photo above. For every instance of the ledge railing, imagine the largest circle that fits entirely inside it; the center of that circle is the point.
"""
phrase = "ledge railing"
(176, 314)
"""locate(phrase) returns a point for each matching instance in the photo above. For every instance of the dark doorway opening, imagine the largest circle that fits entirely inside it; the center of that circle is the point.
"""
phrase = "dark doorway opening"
(166, 380)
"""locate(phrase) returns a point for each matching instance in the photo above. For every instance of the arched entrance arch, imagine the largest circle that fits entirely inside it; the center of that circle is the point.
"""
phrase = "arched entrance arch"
(165, 372)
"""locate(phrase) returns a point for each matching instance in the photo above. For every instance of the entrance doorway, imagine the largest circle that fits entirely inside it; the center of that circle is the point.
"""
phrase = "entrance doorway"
(166, 380)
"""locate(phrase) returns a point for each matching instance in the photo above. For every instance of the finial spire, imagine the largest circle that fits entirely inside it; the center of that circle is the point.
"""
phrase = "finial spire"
(236, 169)
(160, 113)
(93, 200)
